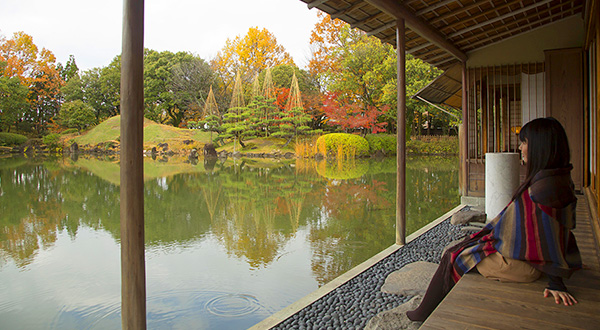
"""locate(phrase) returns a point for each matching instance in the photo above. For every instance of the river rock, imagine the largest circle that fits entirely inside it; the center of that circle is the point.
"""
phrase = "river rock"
(467, 216)
(209, 150)
(395, 318)
(164, 146)
(74, 148)
(411, 279)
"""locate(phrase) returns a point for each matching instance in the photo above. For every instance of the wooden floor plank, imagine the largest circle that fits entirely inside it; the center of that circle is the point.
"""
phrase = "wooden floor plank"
(494, 320)
(478, 303)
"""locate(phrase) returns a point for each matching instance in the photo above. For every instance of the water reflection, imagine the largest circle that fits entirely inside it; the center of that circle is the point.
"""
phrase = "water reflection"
(268, 232)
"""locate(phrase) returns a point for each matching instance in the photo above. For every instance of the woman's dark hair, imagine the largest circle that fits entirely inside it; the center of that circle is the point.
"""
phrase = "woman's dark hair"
(547, 147)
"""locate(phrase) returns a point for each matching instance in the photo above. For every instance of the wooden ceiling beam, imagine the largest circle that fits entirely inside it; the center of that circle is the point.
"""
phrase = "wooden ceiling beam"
(468, 39)
(367, 20)
(519, 27)
(434, 7)
(475, 17)
(347, 10)
(457, 12)
(439, 64)
(419, 26)
(418, 48)
(316, 3)
(381, 29)
(499, 18)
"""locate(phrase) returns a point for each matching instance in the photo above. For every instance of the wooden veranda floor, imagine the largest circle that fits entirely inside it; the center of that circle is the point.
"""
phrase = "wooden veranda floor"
(478, 303)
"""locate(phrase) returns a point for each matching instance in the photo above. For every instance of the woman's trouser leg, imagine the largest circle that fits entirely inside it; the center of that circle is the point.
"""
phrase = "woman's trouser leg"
(433, 296)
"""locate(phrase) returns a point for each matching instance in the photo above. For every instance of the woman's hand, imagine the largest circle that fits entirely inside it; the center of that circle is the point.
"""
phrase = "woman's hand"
(566, 298)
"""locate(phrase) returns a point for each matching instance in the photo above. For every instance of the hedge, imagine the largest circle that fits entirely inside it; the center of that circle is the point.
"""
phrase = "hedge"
(438, 145)
(382, 142)
(11, 139)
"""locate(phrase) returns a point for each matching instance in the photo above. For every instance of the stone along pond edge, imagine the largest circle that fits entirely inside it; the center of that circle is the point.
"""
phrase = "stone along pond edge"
(352, 299)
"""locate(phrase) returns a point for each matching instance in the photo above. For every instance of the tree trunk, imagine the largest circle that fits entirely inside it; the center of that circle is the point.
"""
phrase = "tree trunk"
(288, 142)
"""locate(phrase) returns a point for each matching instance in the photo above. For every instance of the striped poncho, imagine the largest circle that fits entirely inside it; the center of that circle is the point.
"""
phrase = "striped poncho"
(535, 227)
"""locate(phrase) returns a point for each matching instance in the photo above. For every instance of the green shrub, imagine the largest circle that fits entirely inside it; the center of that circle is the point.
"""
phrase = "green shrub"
(342, 145)
(11, 139)
(384, 142)
(69, 131)
(51, 140)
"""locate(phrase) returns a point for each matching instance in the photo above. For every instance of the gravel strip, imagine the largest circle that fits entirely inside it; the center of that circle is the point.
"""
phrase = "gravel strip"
(354, 303)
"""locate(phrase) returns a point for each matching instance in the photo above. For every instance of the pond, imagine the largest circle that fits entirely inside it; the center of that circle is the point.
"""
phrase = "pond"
(227, 243)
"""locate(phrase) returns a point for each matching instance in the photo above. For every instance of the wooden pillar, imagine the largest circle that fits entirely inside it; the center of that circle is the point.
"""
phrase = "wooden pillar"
(597, 111)
(133, 274)
(465, 128)
(401, 135)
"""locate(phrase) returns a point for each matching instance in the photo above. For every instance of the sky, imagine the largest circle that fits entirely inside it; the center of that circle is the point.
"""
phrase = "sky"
(91, 30)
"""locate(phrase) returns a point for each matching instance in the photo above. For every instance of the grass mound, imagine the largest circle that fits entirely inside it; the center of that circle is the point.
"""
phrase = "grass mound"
(154, 133)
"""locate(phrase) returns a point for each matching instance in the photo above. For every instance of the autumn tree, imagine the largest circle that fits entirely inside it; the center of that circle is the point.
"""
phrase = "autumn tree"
(281, 80)
(249, 55)
(351, 117)
(361, 71)
(36, 70)
(326, 38)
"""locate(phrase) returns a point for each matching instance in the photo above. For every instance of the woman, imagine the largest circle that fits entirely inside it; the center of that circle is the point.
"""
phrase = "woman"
(532, 235)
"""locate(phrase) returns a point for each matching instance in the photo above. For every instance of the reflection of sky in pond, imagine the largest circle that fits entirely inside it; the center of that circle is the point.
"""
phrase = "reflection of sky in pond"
(224, 250)
(75, 284)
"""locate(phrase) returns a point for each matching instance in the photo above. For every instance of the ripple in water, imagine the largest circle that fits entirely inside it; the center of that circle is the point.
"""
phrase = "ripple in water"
(233, 305)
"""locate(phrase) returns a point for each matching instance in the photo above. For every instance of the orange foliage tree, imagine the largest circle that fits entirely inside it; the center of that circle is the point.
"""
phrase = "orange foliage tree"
(37, 71)
(249, 55)
(325, 39)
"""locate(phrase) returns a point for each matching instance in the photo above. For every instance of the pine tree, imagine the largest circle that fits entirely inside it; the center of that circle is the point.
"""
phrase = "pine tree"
(212, 119)
(295, 120)
(235, 121)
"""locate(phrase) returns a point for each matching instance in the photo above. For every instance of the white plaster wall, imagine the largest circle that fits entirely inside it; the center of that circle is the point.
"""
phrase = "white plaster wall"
(529, 47)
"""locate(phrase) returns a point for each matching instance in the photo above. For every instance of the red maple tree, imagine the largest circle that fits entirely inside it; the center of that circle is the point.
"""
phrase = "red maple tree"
(351, 116)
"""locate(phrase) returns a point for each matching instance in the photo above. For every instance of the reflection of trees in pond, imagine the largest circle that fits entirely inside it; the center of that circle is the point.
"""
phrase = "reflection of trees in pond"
(33, 224)
(250, 225)
(37, 201)
(359, 217)
(253, 211)
(353, 220)
(342, 168)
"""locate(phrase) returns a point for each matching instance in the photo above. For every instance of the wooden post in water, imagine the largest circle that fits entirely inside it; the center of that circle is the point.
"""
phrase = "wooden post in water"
(401, 135)
(133, 274)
